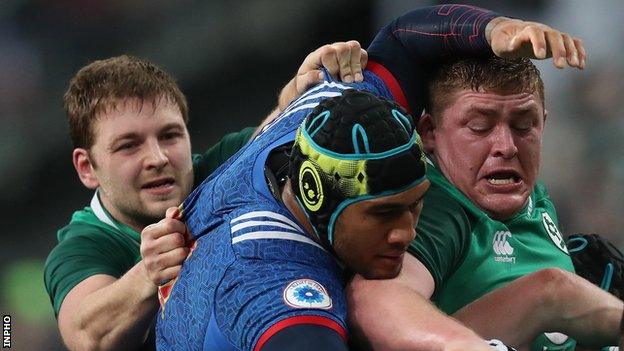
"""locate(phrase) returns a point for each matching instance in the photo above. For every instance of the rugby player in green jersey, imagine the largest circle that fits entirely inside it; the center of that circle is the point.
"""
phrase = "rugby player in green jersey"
(128, 121)
(488, 250)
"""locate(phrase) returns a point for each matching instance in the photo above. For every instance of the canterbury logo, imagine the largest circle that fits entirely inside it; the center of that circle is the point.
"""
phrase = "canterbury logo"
(502, 247)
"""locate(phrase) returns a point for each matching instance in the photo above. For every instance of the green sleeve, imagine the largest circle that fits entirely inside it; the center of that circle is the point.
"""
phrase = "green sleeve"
(442, 235)
(77, 258)
(204, 164)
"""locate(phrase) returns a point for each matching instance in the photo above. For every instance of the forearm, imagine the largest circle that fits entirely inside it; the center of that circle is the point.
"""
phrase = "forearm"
(391, 316)
(550, 300)
(515, 313)
(407, 45)
(585, 312)
(117, 316)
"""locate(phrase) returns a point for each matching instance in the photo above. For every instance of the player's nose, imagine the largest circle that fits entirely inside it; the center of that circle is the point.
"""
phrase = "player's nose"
(503, 142)
(403, 232)
(156, 155)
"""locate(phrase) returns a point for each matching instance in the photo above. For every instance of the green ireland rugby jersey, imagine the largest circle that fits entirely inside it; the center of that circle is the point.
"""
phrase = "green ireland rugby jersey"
(95, 243)
(470, 254)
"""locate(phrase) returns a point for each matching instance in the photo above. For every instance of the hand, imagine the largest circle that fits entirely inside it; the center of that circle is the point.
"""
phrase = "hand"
(512, 38)
(344, 60)
(598, 260)
(163, 247)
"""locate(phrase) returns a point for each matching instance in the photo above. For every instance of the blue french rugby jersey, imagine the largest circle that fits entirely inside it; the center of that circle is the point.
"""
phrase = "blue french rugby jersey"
(253, 271)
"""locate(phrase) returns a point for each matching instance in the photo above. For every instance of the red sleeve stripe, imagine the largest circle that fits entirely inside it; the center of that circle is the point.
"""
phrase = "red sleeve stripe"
(315, 320)
(391, 82)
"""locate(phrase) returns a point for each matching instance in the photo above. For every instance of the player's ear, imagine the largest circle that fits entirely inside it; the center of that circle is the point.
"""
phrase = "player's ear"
(425, 128)
(85, 168)
(545, 115)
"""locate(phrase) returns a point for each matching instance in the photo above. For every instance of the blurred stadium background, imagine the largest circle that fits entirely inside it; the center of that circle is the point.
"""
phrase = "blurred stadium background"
(231, 58)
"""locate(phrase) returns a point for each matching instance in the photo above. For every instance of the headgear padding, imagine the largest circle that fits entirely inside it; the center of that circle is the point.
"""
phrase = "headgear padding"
(351, 148)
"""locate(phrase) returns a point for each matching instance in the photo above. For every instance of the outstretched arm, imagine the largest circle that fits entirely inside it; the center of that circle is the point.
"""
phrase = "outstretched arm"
(397, 315)
(550, 300)
(413, 43)
(105, 313)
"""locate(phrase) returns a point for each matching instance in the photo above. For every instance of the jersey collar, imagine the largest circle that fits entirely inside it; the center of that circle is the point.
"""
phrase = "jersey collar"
(104, 216)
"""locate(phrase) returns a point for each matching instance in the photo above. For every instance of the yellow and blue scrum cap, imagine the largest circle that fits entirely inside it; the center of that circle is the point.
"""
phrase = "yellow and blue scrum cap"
(352, 148)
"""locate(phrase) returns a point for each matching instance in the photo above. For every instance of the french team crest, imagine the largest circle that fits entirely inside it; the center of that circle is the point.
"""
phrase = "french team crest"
(307, 293)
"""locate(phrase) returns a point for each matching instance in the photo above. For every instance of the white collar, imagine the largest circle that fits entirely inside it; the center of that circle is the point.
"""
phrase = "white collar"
(100, 212)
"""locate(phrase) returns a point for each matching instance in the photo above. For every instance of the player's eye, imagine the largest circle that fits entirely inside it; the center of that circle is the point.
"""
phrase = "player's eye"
(388, 213)
(126, 146)
(479, 126)
(523, 126)
(171, 136)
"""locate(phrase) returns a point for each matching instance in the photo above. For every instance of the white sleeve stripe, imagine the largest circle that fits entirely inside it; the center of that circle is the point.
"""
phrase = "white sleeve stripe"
(269, 214)
(322, 94)
(248, 224)
(275, 235)
(325, 84)
(307, 94)
(302, 107)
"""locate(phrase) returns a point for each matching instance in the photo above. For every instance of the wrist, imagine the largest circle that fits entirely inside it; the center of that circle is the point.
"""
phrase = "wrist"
(145, 284)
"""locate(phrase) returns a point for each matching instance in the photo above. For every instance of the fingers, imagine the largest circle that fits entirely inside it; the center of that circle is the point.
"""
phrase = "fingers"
(162, 255)
(358, 59)
(304, 81)
(355, 65)
(163, 246)
(344, 60)
(329, 58)
(337, 61)
(152, 249)
(165, 267)
(514, 38)
(167, 243)
(363, 58)
(168, 274)
(538, 42)
(171, 259)
(580, 49)
(164, 227)
(173, 212)
(570, 50)
(344, 52)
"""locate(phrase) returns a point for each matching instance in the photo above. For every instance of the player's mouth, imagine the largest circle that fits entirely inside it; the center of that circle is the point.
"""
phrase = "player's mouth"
(504, 178)
(160, 186)
(392, 259)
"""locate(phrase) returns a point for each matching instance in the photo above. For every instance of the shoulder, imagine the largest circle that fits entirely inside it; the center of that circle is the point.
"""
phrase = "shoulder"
(206, 163)
(540, 193)
(542, 200)
(441, 208)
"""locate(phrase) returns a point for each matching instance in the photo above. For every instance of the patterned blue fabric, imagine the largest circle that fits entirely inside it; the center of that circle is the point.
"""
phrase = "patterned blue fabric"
(253, 265)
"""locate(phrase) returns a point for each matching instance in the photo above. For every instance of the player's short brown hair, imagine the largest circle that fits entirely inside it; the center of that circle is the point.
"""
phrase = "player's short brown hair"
(101, 84)
(495, 74)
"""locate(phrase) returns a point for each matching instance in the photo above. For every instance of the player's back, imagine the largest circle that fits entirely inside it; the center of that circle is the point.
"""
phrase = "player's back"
(253, 265)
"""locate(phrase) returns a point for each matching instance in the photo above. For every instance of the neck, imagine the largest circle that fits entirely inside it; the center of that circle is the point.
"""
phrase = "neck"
(117, 215)
(293, 207)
